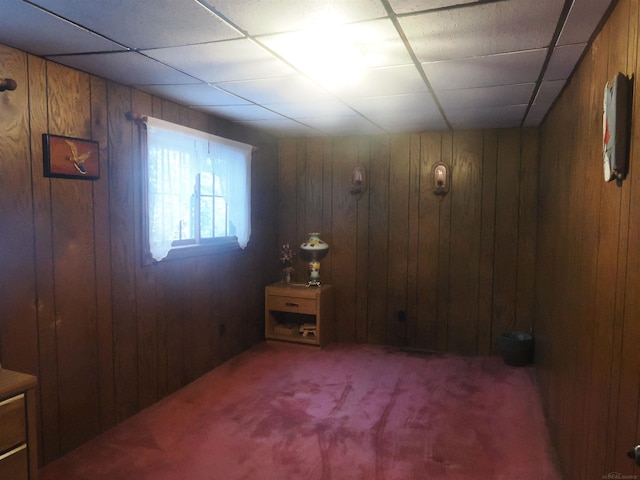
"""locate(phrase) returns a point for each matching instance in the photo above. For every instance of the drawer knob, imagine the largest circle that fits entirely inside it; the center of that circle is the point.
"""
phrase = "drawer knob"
(291, 304)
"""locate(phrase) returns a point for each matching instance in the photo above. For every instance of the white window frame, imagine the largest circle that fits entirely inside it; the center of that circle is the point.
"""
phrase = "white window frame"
(184, 153)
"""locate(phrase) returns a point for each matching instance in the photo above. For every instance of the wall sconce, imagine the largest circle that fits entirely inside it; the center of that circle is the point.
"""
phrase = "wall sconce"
(440, 174)
(358, 185)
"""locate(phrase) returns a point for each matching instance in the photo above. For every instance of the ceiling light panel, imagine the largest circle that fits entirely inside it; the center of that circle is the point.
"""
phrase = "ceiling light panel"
(482, 29)
(258, 17)
(226, 61)
(144, 24)
(47, 34)
(336, 56)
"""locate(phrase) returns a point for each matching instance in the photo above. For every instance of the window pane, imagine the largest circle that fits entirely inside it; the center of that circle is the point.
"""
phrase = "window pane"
(206, 184)
(220, 217)
(206, 217)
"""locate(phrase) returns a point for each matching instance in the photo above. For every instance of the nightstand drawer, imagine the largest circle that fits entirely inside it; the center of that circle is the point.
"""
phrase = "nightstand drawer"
(14, 464)
(12, 419)
(292, 304)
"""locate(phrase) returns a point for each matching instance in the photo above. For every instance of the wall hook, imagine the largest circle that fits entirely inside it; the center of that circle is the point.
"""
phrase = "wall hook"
(7, 84)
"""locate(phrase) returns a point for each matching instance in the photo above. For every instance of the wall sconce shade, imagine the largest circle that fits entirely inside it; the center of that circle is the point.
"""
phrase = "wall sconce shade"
(440, 176)
(358, 180)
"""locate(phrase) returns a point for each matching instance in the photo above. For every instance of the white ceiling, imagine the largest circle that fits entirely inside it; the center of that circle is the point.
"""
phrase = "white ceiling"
(419, 64)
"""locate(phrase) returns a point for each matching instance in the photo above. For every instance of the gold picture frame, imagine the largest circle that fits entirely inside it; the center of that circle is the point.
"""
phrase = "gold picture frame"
(69, 157)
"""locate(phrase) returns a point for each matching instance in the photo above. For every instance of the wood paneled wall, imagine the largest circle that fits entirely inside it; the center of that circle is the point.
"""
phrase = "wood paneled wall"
(105, 335)
(461, 268)
(587, 306)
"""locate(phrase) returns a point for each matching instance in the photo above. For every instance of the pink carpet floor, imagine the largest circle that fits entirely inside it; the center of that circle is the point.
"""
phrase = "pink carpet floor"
(283, 411)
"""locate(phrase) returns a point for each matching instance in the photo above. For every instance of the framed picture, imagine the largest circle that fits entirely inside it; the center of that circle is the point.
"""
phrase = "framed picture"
(616, 127)
(68, 157)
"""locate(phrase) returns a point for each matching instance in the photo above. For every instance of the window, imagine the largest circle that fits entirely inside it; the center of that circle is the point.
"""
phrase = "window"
(198, 189)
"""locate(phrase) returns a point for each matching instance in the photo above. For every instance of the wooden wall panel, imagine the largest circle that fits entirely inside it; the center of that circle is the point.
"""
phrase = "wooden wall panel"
(587, 269)
(412, 269)
(464, 243)
(100, 133)
(105, 335)
(342, 238)
(378, 240)
(487, 237)
(428, 241)
(399, 163)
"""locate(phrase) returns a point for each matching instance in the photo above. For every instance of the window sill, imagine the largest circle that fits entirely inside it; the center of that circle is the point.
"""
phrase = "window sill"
(219, 246)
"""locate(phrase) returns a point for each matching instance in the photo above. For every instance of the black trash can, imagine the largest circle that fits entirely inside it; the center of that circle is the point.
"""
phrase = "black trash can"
(516, 348)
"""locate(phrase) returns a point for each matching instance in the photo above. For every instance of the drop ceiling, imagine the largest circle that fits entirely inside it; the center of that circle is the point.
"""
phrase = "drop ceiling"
(311, 67)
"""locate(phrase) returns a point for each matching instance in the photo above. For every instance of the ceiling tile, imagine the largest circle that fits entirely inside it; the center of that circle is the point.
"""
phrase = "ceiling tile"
(504, 69)
(583, 18)
(47, 34)
(482, 29)
(482, 55)
(384, 81)
(493, 96)
(352, 125)
(409, 6)
(282, 127)
(303, 110)
(422, 104)
(193, 95)
(549, 91)
(144, 24)
(536, 114)
(240, 112)
(277, 90)
(493, 117)
(397, 113)
(563, 61)
(129, 68)
(410, 121)
(259, 17)
(230, 60)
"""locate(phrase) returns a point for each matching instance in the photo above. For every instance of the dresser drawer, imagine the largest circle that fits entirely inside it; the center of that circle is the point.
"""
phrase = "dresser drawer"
(12, 419)
(292, 304)
(14, 464)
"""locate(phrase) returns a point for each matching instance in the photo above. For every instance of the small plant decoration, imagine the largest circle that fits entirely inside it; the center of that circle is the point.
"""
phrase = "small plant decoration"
(286, 258)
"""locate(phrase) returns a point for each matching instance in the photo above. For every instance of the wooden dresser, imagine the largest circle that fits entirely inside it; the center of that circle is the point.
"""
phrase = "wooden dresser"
(18, 440)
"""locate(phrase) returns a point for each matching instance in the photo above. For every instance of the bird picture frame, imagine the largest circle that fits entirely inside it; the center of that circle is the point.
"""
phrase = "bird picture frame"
(69, 157)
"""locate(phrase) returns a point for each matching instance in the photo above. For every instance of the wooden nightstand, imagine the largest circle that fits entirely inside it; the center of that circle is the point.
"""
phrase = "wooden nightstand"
(297, 313)
(18, 439)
